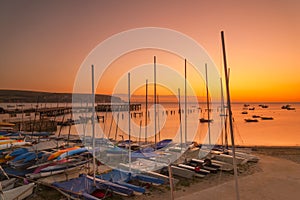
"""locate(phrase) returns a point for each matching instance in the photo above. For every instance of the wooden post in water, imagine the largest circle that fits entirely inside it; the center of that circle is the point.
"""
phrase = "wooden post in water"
(230, 117)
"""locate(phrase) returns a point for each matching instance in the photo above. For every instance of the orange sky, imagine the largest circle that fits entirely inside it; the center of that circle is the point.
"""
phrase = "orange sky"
(44, 43)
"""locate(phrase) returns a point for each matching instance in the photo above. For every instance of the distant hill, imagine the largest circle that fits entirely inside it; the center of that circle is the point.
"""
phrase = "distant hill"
(23, 96)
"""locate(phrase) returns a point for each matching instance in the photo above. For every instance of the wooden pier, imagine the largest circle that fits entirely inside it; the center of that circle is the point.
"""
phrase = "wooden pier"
(58, 111)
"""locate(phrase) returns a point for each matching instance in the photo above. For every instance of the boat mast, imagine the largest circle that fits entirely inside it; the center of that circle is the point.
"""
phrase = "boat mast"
(180, 125)
(207, 105)
(185, 104)
(146, 112)
(129, 135)
(93, 125)
(155, 137)
(226, 119)
(222, 115)
(230, 117)
(158, 119)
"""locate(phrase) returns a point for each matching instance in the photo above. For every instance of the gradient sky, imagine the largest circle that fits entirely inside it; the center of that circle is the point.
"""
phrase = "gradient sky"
(43, 43)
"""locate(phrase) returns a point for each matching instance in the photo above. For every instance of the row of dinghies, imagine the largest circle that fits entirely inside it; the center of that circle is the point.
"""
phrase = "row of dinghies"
(50, 159)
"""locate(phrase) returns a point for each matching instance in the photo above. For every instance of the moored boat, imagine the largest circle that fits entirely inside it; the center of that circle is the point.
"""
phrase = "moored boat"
(203, 120)
(266, 118)
(251, 120)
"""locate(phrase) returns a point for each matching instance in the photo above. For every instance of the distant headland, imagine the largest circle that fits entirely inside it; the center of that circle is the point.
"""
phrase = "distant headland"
(24, 96)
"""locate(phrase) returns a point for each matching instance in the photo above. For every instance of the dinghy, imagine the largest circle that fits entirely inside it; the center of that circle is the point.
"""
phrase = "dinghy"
(18, 193)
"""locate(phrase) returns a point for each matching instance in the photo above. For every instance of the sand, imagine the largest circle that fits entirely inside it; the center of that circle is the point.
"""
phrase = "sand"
(279, 179)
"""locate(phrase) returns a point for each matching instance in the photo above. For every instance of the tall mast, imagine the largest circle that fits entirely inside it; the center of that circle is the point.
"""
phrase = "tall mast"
(158, 119)
(180, 125)
(207, 104)
(129, 134)
(185, 104)
(230, 117)
(155, 137)
(222, 113)
(146, 115)
(93, 125)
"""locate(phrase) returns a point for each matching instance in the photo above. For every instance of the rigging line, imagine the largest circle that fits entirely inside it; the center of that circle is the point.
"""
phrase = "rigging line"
(238, 133)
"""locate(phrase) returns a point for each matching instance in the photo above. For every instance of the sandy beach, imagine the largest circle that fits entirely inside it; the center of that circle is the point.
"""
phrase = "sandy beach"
(275, 176)
(277, 179)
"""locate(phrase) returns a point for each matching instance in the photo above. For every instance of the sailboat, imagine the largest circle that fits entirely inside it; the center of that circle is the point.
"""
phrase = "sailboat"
(208, 120)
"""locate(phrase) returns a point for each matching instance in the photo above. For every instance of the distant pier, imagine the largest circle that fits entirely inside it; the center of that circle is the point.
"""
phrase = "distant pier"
(58, 111)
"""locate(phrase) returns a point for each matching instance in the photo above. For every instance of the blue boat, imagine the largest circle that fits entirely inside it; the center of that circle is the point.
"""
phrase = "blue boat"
(163, 143)
(147, 152)
(121, 178)
(21, 157)
(72, 152)
(19, 151)
(83, 187)
(25, 160)
(33, 156)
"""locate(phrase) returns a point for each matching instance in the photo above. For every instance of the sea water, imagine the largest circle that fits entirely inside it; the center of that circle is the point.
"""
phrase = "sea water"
(283, 130)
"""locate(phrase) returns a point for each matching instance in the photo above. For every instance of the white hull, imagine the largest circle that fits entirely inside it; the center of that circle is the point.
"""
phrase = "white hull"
(18, 193)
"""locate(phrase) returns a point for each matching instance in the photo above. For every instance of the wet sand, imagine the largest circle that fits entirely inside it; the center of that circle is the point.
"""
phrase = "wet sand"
(275, 176)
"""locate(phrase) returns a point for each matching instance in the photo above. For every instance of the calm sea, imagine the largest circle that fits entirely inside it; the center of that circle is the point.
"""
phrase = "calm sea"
(283, 130)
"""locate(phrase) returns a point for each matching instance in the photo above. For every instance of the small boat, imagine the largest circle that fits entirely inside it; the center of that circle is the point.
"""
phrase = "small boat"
(125, 144)
(72, 152)
(121, 177)
(253, 108)
(83, 187)
(56, 168)
(244, 112)
(267, 118)
(181, 172)
(8, 184)
(291, 108)
(205, 164)
(264, 106)
(59, 152)
(197, 169)
(163, 143)
(15, 144)
(255, 116)
(251, 120)
(19, 193)
(26, 160)
(18, 152)
(287, 107)
(203, 120)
